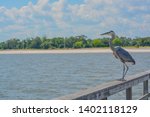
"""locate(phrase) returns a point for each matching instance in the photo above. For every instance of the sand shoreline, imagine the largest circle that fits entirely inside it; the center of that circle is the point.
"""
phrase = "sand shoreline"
(63, 51)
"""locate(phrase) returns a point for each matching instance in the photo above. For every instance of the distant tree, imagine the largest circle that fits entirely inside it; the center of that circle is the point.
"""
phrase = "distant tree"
(57, 42)
(12, 44)
(78, 44)
(117, 42)
(88, 43)
(134, 42)
(28, 43)
(82, 38)
(45, 45)
(3, 45)
(146, 41)
(71, 42)
(97, 43)
(105, 42)
(36, 43)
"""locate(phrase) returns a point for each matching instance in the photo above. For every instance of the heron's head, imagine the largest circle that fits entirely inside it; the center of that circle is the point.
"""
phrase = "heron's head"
(110, 33)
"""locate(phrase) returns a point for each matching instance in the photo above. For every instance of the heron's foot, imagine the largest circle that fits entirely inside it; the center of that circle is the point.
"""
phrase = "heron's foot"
(122, 79)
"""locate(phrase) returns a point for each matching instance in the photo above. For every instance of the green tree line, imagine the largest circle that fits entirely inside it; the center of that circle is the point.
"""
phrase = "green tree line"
(71, 42)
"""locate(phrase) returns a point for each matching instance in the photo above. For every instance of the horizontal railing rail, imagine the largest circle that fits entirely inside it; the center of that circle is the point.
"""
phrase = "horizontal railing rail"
(103, 91)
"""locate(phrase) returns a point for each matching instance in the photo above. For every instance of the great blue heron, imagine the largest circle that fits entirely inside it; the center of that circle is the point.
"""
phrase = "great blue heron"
(120, 53)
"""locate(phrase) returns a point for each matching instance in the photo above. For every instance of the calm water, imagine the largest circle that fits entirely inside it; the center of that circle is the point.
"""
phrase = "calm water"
(47, 76)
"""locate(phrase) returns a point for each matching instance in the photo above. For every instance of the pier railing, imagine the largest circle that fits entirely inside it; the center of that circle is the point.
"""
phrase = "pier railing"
(103, 91)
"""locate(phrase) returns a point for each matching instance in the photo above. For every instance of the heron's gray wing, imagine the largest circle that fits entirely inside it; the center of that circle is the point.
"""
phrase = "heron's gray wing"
(124, 55)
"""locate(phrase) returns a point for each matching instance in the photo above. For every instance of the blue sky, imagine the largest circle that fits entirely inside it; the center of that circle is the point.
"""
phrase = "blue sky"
(52, 18)
(15, 3)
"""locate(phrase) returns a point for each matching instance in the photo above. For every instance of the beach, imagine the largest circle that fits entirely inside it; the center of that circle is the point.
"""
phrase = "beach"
(63, 51)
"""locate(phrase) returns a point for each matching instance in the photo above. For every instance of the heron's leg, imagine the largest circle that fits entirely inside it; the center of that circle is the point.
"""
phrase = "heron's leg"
(123, 71)
(127, 68)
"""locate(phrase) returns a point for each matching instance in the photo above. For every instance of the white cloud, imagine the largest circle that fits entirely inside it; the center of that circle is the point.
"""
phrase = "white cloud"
(37, 17)
(2, 9)
(89, 17)
(58, 13)
(94, 9)
(96, 2)
(41, 4)
(112, 14)
(133, 8)
(146, 18)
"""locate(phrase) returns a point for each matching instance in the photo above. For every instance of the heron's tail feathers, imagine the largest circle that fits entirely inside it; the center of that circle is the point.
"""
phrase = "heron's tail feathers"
(133, 62)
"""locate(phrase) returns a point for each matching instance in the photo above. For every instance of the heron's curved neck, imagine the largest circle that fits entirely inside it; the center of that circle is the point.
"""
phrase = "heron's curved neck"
(110, 42)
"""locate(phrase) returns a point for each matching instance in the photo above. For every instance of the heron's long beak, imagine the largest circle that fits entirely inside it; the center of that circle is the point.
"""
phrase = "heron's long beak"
(105, 33)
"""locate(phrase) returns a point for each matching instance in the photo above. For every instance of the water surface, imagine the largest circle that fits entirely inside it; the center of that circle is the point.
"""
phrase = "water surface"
(47, 76)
